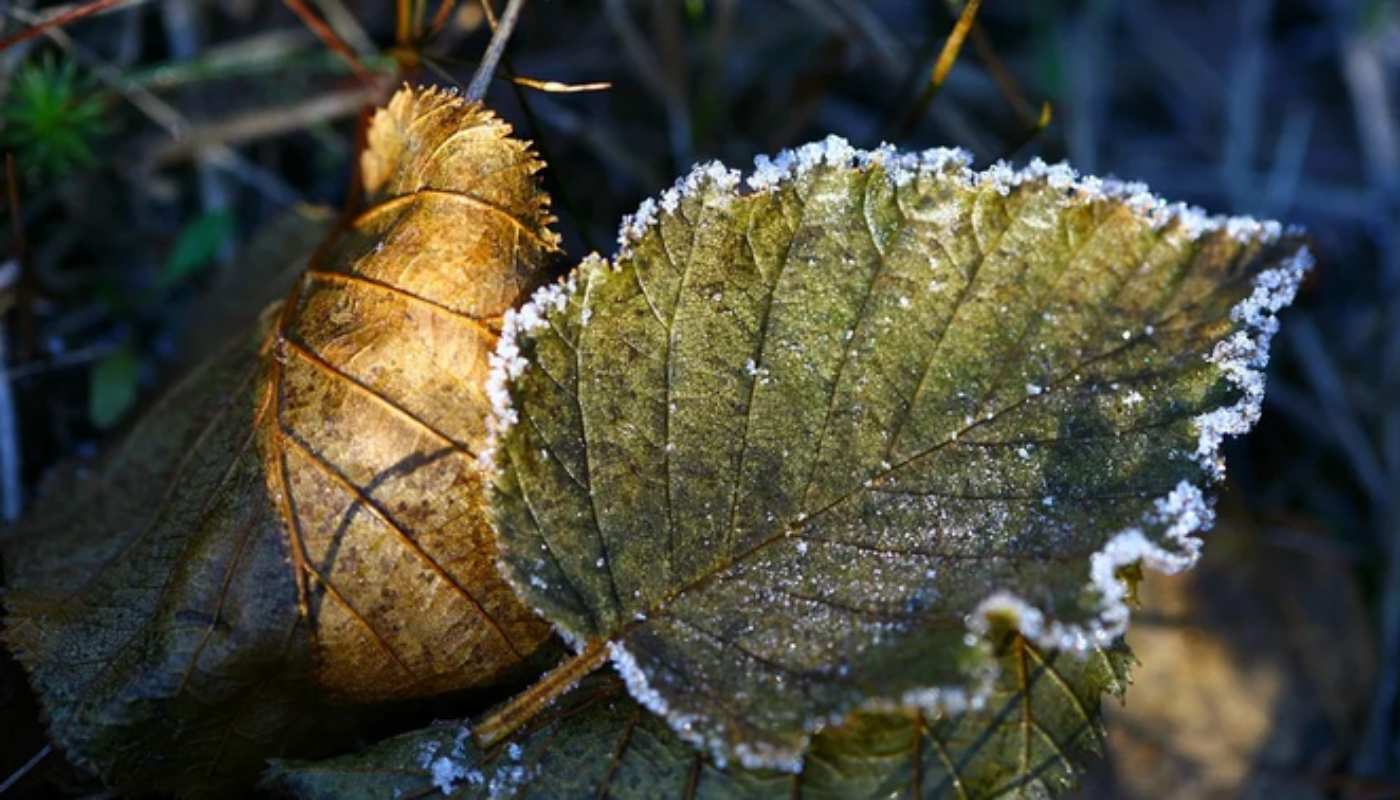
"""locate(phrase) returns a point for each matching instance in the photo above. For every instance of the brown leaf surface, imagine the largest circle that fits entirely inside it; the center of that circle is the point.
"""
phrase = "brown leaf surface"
(302, 511)
(379, 389)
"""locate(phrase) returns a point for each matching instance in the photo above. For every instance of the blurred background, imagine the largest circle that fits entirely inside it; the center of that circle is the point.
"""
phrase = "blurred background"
(161, 154)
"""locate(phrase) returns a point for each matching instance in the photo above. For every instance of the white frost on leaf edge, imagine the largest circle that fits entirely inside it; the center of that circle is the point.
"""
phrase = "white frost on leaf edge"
(1243, 356)
(507, 364)
(648, 214)
(1176, 518)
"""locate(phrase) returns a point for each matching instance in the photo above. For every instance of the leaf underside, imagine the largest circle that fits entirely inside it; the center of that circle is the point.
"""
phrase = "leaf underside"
(300, 518)
(782, 449)
(1039, 725)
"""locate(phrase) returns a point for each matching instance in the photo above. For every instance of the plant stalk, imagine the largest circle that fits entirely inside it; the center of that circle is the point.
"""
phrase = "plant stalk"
(476, 90)
(520, 709)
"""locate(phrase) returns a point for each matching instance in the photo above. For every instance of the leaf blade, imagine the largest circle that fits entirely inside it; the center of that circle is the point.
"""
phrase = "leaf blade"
(873, 386)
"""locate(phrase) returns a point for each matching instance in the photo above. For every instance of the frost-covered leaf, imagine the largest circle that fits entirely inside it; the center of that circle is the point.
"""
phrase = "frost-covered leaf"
(798, 445)
(1036, 728)
(301, 516)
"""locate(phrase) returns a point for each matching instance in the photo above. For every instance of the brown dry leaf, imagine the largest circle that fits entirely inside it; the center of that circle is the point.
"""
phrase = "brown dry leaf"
(379, 389)
(302, 512)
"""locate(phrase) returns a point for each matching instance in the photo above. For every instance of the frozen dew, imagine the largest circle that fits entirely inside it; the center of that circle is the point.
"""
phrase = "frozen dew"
(1243, 356)
(639, 686)
(711, 177)
(446, 773)
(447, 770)
(1000, 176)
(507, 363)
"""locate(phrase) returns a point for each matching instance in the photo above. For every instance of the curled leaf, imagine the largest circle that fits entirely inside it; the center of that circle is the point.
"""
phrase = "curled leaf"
(1038, 725)
(797, 447)
(302, 513)
(379, 394)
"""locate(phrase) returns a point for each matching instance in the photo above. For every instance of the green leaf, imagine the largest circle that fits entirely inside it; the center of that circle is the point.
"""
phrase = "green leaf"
(112, 387)
(196, 247)
(797, 447)
(1038, 725)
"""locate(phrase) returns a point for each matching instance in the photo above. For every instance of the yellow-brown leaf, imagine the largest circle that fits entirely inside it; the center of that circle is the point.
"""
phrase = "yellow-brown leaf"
(379, 392)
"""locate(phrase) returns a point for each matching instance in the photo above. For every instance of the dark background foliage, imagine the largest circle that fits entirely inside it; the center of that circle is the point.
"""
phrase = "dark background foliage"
(151, 141)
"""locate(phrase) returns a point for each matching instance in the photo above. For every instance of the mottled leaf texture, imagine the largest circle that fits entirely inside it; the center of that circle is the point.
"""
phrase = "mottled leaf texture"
(302, 512)
(1036, 727)
(798, 445)
(379, 392)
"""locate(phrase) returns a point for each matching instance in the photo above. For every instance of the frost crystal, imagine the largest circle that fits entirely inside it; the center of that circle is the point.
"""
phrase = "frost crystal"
(1243, 356)
(446, 774)
(507, 364)
(751, 756)
(712, 173)
(448, 770)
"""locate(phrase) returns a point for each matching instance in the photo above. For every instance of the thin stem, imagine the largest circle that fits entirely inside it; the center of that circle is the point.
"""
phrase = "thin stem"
(444, 12)
(1047, 115)
(24, 770)
(59, 20)
(328, 37)
(10, 491)
(520, 709)
(476, 90)
(946, 59)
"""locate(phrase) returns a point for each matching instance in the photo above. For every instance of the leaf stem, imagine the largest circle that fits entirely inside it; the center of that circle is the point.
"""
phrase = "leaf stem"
(58, 20)
(29, 765)
(520, 709)
(499, 38)
(328, 37)
(946, 59)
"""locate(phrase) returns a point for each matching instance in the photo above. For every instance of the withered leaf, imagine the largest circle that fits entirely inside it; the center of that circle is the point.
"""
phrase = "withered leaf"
(300, 518)
(1039, 723)
(796, 448)
(378, 387)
